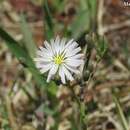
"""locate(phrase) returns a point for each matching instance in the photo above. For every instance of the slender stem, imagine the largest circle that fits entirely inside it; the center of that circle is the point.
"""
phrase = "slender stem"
(82, 123)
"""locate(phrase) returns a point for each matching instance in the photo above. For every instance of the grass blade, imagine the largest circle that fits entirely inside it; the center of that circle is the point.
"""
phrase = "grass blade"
(80, 24)
(48, 21)
(28, 39)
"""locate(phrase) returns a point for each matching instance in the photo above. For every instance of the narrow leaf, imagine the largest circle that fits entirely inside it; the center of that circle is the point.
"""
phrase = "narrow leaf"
(80, 24)
(48, 21)
(27, 37)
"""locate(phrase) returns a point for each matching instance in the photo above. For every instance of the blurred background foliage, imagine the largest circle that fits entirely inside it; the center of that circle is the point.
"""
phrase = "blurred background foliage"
(101, 28)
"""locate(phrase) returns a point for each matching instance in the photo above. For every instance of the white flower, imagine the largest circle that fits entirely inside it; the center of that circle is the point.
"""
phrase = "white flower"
(59, 57)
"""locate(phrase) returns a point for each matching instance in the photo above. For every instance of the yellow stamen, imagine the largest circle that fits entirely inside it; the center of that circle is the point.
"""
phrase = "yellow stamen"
(58, 59)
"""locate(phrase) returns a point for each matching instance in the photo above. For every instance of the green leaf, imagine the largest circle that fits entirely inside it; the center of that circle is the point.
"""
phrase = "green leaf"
(48, 21)
(23, 57)
(52, 88)
(27, 37)
(102, 46)
(92, 4)
(80, 24)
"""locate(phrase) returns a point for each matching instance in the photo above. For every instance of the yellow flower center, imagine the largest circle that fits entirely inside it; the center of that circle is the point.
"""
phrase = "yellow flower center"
(58, 59)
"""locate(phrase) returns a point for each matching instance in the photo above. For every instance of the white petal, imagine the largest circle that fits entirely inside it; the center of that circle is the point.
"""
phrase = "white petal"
(45, 68)
(62, 44)
(69, 43)
(57, 44)
(45, 51)
(57, 41)
(39, 53)
(44, 55)
(41, 65)
(48, 47)
(67, 73)
(72, 69)
(73, 62)
(73, 45)
(52, 72)
(53, 45)
(77, 56)
(41, 59)
(73, 52)
(62, 75)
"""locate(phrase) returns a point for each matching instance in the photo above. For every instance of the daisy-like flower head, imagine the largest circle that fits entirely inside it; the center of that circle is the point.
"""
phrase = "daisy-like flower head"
(60, 57)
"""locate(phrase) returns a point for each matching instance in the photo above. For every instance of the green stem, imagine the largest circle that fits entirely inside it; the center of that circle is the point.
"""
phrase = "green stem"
(81, 108)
